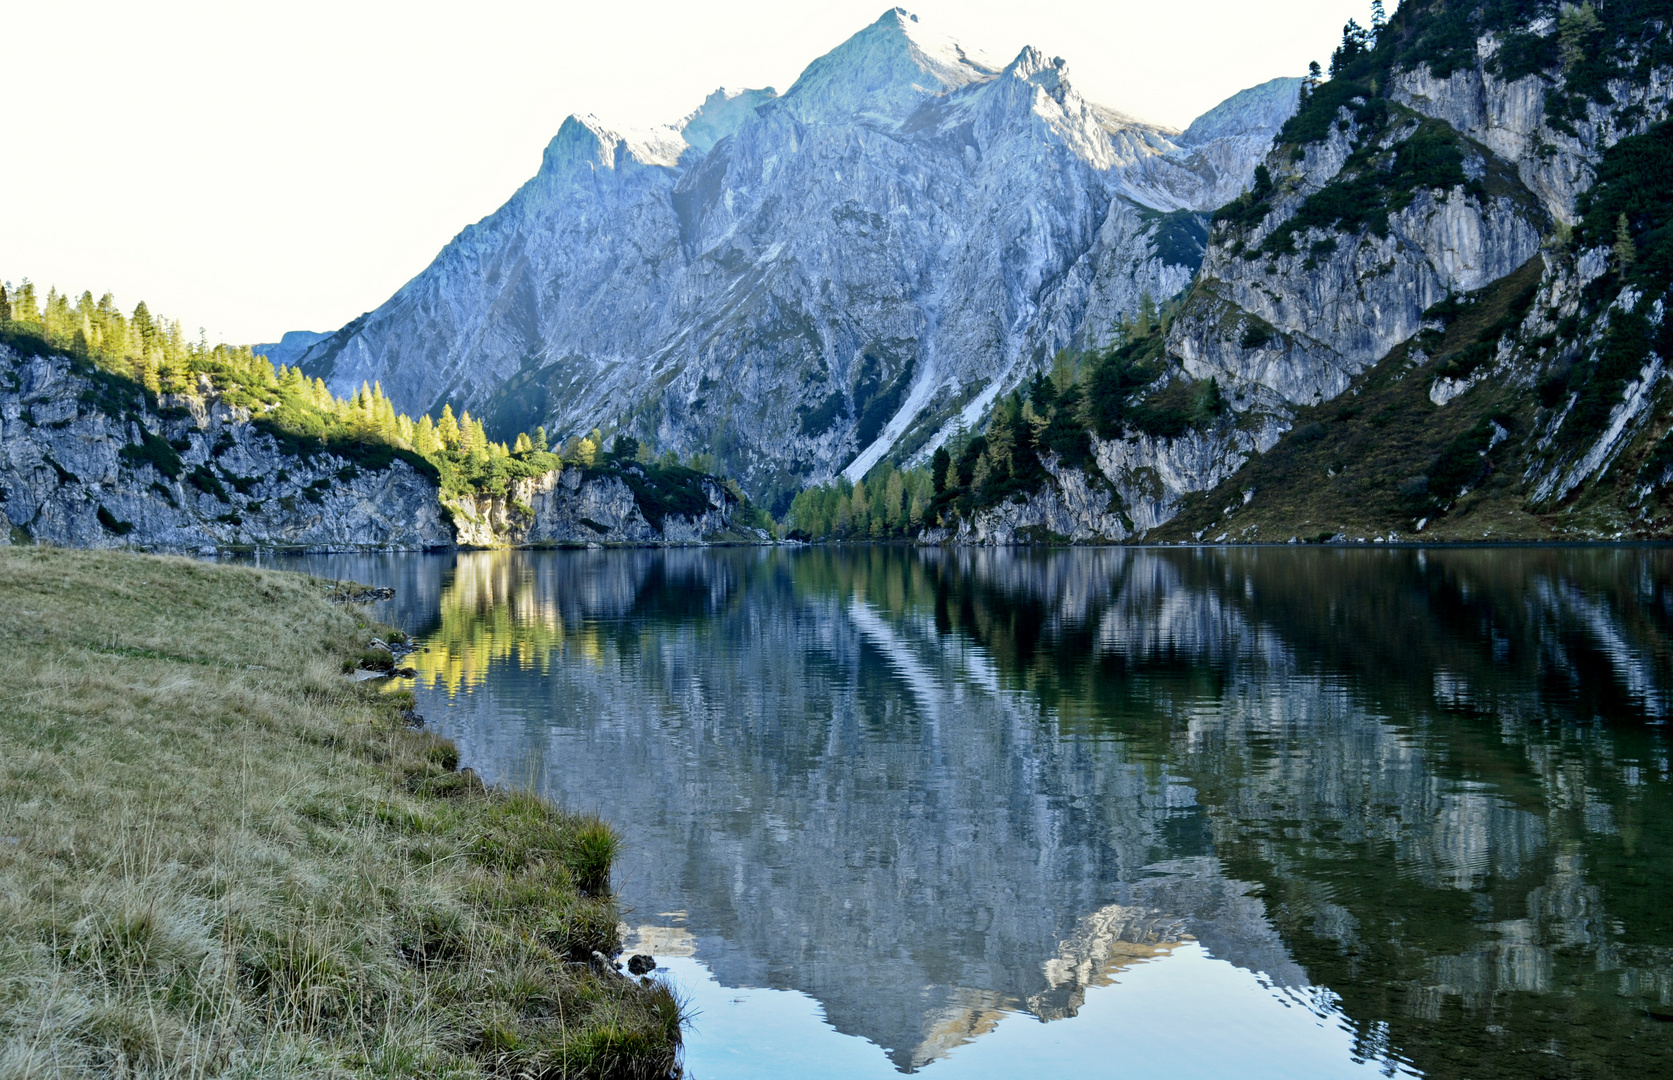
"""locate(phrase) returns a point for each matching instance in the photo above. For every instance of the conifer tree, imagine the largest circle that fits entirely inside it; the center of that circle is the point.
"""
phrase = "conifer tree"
(24, 307)
(447, 429)
(1626, 252)
(424, 439)
(894, 494)
(540, 443)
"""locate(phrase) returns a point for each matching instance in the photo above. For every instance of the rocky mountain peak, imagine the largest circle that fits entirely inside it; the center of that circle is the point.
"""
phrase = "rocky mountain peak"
(1261, 108)
(884, 72)
(588, 142)
(722, 113)
(1032, 65)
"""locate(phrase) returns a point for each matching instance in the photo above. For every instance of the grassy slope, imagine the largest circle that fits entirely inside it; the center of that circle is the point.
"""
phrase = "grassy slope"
(1379, 435)
(220, 857)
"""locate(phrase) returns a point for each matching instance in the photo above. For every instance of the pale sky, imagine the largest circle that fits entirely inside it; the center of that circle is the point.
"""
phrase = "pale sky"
(254, 169)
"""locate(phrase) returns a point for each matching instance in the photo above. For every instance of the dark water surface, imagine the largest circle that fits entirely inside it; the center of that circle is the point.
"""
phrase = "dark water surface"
(1194, 812)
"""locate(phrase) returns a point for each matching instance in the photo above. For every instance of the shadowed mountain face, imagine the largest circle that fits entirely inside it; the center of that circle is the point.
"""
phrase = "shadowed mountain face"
(801, 283)
(1429, 789)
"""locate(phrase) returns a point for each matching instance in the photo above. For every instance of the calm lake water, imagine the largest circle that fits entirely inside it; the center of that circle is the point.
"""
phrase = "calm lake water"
(1136, 812)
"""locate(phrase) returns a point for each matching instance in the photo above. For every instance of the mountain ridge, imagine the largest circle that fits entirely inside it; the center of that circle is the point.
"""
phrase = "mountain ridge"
(813, 292)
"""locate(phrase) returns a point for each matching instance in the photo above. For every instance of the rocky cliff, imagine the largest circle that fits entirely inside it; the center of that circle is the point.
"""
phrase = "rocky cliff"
(806, 283)
(88, 460)
(84, 462)
(578, 506)
(1429, 241)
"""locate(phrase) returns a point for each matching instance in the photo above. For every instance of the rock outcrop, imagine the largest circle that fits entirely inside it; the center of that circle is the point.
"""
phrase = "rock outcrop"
(194, 476)
(573, 506)
(86, 461)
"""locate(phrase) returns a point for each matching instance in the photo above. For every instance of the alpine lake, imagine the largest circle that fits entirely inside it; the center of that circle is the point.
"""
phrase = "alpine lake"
(1176, 812)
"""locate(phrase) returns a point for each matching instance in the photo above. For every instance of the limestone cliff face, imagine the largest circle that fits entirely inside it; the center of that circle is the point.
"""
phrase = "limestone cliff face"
(75, 472)
(1303, 292)
(1509, 118)
(572, 507)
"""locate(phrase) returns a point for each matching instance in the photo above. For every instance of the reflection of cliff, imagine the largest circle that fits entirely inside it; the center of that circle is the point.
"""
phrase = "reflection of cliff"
(1438, 766)
(926, 788)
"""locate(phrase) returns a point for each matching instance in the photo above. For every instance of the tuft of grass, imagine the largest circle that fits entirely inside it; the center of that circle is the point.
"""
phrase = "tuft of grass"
(218, 856)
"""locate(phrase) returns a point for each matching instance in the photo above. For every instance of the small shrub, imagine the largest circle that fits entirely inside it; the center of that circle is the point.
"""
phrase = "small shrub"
(155, 451)
(111, 524)
(204, 479)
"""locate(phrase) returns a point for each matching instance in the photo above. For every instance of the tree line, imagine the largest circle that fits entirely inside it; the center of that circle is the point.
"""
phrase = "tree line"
(302, 413)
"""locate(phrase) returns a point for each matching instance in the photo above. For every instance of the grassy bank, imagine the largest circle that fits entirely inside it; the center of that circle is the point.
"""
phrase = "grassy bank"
(219, 857)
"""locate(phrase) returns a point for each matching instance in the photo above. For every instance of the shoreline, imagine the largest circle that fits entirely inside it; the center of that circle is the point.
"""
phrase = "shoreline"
(240, 551)
(221, 852)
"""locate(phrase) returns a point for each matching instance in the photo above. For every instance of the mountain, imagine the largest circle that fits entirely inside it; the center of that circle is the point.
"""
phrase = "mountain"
(805, 283)
(1439, 311)
(290, 347)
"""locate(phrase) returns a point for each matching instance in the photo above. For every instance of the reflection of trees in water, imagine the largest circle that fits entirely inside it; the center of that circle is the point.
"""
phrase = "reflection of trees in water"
(1469, 845)
(1441, 769)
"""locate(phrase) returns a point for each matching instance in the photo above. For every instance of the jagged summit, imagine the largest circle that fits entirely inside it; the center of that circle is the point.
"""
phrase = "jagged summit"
(884, 72)
(589, 141)
(721, 114)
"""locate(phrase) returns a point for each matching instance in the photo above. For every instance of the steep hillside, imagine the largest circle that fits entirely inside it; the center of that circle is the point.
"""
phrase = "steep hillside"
(1438, 310)
(804, 284)
(92, 459)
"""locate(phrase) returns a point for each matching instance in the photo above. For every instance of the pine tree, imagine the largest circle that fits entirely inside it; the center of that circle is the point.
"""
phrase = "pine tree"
(424, 439)
(447, 429)
(471, 437)
(940, 470)
(522, 446)
(24, 307)
(540, 444)
(859, 508)
(57, 321)
(894, 494)
(1626, 252)
(5, 304)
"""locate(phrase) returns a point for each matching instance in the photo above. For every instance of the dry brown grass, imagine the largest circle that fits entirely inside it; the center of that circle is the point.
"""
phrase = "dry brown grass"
(218, 857)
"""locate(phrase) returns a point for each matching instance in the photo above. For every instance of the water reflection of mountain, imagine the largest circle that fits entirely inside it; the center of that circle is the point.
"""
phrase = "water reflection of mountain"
(929, 787)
